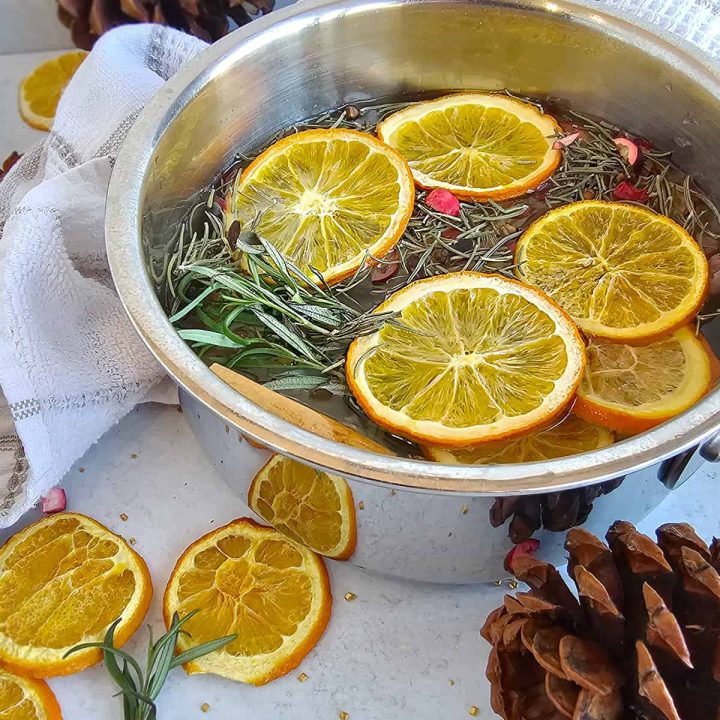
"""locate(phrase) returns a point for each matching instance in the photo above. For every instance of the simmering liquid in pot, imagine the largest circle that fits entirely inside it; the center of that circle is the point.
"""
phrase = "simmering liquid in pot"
(220, 301)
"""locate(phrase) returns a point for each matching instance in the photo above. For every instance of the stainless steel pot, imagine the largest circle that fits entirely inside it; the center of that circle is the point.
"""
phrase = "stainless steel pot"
(419, 520)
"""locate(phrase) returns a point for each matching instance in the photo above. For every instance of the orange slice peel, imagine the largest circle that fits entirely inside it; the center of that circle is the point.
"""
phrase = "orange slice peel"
(248, 579)
(326, 199)
(63, 581)
(472, 358)
(41, 90)
(481, 146)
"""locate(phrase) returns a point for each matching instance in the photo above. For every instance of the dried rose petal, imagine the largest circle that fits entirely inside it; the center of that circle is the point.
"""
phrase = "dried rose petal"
(450, 234)
(627, 191)
(55, 501)
(628, 149)
(562, 142)
(386, 270)
(444, 202)
(9, 161)
(527, 547)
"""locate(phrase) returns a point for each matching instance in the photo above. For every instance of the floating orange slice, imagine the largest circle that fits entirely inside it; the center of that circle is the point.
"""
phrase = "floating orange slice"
(326, 199)
(23, 698)
(569, 437)
(474, 358)
(249, 579)
(631, 389)
(63, 581)
(40, 91)
(476, 145)
(306, 505)
(624, 273)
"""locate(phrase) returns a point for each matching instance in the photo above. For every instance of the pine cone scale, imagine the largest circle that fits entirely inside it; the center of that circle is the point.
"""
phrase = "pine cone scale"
(206, 19)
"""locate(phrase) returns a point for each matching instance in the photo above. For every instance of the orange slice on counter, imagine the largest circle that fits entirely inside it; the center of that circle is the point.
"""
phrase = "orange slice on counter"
(474, 358)
(326, 199)
(476, 145)
(64, 581)
(249, 579)
(569, 437)
(308, 506)
(40, 91)
(631, 389)
(23, 698)
(624, 273)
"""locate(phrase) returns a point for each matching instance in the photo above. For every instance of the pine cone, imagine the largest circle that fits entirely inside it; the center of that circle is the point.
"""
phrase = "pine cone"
(206, 19)
(557, 512)
(641, 643)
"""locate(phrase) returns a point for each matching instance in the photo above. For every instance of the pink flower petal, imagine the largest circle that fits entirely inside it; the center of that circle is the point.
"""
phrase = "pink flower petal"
(562, 142)
(527, 547)
(55, 501)
(628, 149)
(443, 201)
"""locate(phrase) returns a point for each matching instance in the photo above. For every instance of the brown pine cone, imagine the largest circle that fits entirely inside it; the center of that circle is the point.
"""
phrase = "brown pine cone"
(641, 643)
(557, 512)
(206, 19)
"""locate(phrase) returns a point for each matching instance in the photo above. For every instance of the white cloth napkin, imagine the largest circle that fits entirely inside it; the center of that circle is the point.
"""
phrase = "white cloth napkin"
(71, 364)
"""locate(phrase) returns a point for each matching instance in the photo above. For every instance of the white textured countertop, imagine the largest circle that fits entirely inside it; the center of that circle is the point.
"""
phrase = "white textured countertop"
(389, 654)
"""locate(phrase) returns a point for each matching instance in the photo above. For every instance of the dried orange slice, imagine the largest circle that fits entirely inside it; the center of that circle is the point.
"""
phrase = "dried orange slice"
(306, 505)
(40, 91)
(624, 273)
(474, 358)
(326, 199)
(63, 581)
(631, 389)
(23, 698)
(248, 579)
(569, 437)
(476, 145)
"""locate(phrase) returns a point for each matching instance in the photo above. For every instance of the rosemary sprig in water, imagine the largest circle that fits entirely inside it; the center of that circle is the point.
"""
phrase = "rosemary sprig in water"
(268, 317)
(140, 689)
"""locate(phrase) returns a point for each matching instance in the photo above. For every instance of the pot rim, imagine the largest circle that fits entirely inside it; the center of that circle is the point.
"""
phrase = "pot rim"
(127, 265)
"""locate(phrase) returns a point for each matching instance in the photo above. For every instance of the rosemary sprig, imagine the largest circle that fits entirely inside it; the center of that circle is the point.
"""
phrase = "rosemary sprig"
(139, 689)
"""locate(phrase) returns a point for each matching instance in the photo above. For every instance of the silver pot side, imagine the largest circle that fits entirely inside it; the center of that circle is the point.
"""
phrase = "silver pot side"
(438, 538)
(323, 53)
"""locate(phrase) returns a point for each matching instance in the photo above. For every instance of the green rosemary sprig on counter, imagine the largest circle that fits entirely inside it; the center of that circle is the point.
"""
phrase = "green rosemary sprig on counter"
(139, 689)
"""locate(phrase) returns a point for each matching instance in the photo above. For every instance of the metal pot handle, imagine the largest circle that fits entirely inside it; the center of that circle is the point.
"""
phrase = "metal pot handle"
(674, 471)
(710, 449)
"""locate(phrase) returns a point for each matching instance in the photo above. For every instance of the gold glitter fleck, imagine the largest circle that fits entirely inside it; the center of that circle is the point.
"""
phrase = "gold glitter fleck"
(497, 583)
(343, 715)
(465, 509)
(393, 492)
(361, 505)
(350, 596)
(133, 456)
(302, 677)
(123, 516)
(132, 540)
(512, 584)
(473, 710)
(451, 682)
(205, 707)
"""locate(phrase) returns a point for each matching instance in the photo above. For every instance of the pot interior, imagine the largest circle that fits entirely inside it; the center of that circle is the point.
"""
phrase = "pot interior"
(319, 56)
